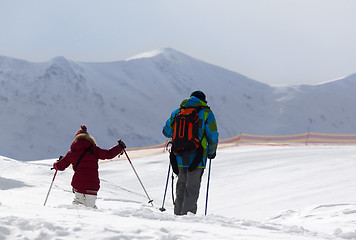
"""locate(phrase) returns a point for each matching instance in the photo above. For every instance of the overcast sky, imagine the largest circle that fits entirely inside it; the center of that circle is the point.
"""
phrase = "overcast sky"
(279, 42)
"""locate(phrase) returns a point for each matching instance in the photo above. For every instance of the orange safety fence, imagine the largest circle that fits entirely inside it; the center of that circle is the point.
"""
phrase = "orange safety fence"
(243, 139)
(308, 138)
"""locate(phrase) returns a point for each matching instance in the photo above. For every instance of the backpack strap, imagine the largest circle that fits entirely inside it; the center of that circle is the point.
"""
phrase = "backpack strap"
(81, 156)
(197, 160)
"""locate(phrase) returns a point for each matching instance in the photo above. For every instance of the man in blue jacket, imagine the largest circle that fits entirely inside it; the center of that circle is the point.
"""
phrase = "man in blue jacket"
(191, 166)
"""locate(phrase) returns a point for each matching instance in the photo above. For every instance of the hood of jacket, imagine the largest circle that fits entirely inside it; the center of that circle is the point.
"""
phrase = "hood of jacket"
(193, 102)
(82, 141)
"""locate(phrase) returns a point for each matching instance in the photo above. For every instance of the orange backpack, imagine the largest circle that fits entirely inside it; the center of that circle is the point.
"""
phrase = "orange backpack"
(185, 139)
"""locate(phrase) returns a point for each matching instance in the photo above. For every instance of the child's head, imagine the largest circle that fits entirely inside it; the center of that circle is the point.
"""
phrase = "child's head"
(82, 134)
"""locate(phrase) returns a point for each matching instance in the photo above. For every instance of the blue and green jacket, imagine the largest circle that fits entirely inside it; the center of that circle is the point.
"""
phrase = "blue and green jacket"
(208, 131)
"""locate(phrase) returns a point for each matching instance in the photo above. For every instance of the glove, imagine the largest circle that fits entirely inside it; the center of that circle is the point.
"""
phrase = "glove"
(55, 166)
(121, 144)
(212, 156)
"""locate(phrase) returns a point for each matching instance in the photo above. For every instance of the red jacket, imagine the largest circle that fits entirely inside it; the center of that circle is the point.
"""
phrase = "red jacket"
(86, 177)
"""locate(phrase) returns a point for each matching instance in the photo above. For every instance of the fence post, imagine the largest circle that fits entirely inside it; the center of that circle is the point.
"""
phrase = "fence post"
(306, 140)
(238, 139)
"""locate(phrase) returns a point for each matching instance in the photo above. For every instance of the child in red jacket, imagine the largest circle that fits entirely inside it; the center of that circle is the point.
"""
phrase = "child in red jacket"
(84, 156)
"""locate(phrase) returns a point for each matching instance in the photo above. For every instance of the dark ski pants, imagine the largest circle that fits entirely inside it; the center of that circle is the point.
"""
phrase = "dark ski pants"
(187, 191)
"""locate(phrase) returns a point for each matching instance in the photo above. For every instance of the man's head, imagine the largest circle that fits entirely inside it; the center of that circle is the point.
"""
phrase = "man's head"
(199, 94)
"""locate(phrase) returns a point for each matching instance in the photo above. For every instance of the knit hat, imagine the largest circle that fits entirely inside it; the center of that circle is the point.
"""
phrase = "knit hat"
(83, 129)
(199, 94)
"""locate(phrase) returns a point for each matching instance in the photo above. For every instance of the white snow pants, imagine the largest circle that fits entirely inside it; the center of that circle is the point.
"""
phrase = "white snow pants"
(87, 200)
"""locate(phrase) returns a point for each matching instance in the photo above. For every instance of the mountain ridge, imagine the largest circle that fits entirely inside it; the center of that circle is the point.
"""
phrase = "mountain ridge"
(43, 104)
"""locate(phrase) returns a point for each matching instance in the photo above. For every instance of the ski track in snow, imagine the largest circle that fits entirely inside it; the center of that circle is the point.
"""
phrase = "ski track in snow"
(255, 193)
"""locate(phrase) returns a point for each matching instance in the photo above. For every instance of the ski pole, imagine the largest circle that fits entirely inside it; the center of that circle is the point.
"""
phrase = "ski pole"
(50, 188)
(207, 189)
(162, 209)
(173, 189)
(149, 199)
(60, 157)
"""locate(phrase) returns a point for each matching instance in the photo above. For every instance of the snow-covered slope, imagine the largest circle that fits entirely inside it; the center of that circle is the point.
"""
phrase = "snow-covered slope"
(328, 107)
(294, 193)
(43, 104)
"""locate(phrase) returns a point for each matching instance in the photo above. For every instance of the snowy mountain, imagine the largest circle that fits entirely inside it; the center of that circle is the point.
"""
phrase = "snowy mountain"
(43, 104)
